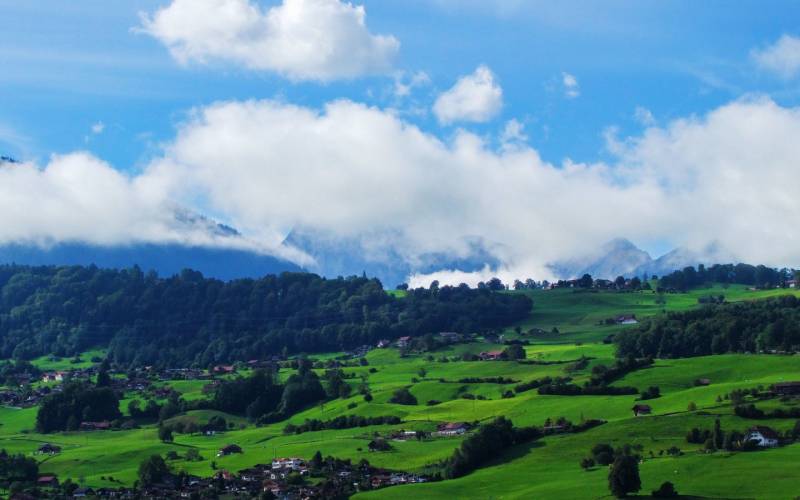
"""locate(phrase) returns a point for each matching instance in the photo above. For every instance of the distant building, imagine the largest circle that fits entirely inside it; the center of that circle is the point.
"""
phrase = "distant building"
(627, 319)
(491, 355)
(229, 450)
(95, 426)
(764, 436)
(450, 337)
(54, 376)
(452, 429)
(786, 388)
(403, 342)
(48, 481)
(224, 369)
(639, 410)
(384, 343)
(48, 449)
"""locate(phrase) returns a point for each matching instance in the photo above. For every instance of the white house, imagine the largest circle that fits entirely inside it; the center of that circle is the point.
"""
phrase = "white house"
(763, 436)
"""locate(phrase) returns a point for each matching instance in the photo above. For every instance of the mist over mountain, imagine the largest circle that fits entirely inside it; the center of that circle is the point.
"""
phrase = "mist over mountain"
(620, 257)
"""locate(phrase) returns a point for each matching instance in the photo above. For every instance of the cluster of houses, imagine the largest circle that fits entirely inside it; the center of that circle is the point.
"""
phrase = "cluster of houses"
(341, 479)
(445, 338)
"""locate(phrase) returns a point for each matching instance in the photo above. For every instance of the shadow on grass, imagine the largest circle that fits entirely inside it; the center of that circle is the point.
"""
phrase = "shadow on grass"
(514, 453)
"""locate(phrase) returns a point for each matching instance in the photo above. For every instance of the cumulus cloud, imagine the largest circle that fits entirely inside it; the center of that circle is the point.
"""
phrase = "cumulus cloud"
(319, 40)
(781, 58)
(571, 87)
(474, 98)
(644, 116)
(349, 170)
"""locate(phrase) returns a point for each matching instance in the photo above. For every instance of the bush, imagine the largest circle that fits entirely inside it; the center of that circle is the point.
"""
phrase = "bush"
(403, 397)
(667, 490)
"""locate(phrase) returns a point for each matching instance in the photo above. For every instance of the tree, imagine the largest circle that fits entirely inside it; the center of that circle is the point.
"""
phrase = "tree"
(666, 490)
(585, 281)
(165, 434)
(103, 379)
(692, 406)
(623, 478)
(514, 351)
(402, 396)
(193, 455)
(152, 470)
(603, 454)
(587, 463)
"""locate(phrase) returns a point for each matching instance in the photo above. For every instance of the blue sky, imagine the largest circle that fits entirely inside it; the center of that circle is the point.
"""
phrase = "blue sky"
(609, 86)
(70, 65)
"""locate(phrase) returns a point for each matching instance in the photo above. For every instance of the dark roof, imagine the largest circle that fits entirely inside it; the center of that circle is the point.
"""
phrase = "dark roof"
(641, 408)
(765, 431)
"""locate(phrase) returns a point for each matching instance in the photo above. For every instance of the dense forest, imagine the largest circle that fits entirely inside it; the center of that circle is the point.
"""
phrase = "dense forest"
(188, 319)
(740, 274)
(765, 325)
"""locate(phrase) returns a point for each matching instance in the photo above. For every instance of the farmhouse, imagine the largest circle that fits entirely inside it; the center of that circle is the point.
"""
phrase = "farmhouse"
(452, 429)
(450, 337)
(287, 463)
(54, 376)
(627, 319)
(95, 426)
(787, 388)
(49, 481)
(491, 355)
(48, 449)
(639, 410)
(403, 342)
(229, 450)
(384, 343)
(764, 436)
(224, 369)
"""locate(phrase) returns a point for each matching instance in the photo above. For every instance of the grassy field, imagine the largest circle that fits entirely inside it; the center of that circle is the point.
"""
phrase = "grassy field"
(545, 469)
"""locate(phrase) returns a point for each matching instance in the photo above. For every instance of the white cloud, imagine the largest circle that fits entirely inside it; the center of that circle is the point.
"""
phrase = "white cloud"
(319, 40)
(571, 87)
(349, 170)
(98, 128)
(474, 98)
(781, 58)
(404, 84)
(513, 132)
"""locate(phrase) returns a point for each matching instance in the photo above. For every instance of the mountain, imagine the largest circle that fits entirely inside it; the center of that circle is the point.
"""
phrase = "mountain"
(620, 257)
(347, 257)
(166, 260)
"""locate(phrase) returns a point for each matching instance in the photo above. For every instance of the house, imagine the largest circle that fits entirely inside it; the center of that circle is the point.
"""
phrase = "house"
(224, 369)
(787, 388)
(627, 319)
(229, 450)
(83, 493)
(764, 436)
(384, 343)
(450, 337)
(48, 449)
(95, 426)
(54, 376)
(639, 410)
(48, 481)
(403, 342)
(287, 463)
(452, 429)
(702, 382)
(491, 355)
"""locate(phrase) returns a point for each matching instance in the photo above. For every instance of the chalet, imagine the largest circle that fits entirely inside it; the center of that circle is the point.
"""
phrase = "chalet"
(787, 388)
(491, 355)
(95, 426)
(403, 342)
(627, 319)
(224, 369)
(287, 463)
(229, 450)
(452, 429)
(764, 436)
(48, 449)
(450, 337)
(48, 481)
(384, 343)
(639, 410)
(54, 376)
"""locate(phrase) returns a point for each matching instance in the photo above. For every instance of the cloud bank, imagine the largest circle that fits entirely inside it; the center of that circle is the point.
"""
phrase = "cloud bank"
(348, 169)
(320, 40)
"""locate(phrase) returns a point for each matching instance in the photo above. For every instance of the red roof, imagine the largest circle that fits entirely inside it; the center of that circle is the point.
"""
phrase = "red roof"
(767, 432)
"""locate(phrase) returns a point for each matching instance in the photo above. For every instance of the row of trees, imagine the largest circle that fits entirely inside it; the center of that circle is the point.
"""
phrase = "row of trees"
(77, 402)
(765, 325)
(742, 274)
(191, 320)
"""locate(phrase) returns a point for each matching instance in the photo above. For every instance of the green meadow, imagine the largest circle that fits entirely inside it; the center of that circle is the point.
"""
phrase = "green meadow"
(548, 468)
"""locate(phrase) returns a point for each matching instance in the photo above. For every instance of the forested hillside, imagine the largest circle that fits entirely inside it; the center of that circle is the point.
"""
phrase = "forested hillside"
(187, 318)
(764, 325)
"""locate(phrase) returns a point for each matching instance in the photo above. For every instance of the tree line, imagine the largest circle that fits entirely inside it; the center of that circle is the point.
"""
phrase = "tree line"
(757, 326)
(190, 320)
(740, 274)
